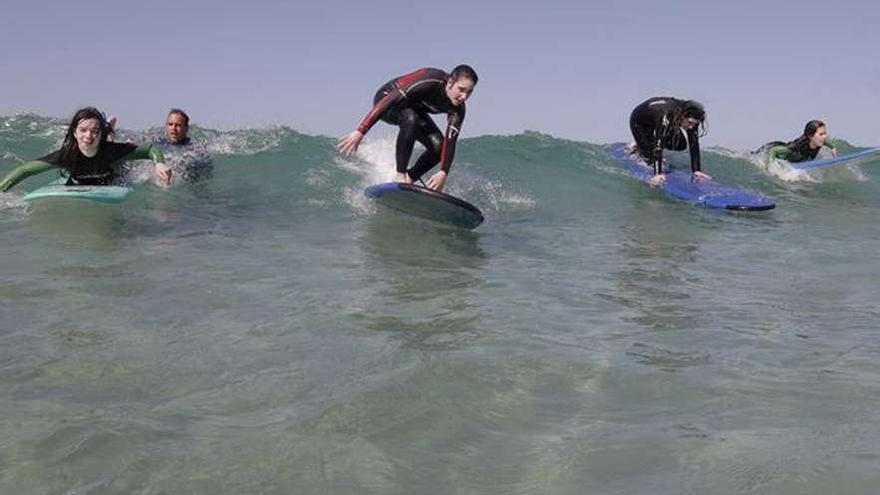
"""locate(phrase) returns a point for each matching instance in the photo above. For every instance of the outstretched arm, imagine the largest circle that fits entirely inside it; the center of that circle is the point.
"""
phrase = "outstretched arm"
(348, 144)
(24, 171)
(150, 152)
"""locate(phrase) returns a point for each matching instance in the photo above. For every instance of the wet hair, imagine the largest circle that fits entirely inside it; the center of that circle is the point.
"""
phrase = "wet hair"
(811, 128)
(181, 113)
(692, 109)
(69, 147)
(802, 143)
(464, 71)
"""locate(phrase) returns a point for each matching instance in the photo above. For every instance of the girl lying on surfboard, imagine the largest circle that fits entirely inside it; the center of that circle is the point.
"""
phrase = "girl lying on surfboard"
(86, 157)
(805, 147)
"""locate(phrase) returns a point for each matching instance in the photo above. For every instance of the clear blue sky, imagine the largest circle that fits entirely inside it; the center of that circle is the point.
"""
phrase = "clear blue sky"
(573, 69)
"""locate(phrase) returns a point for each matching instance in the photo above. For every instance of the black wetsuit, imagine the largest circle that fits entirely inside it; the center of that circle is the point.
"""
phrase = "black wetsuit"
(406, 102)
(652, 122)
(798, 150)
(101, 169)
(95, 171)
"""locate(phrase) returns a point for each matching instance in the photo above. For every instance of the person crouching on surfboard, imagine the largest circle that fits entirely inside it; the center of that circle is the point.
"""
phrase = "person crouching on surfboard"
(804, 148)
(86, 157)
(668, 123)
(407, 102)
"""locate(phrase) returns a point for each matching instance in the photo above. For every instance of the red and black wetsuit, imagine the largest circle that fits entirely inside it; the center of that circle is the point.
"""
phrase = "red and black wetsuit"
(652, 122)
(406, 102)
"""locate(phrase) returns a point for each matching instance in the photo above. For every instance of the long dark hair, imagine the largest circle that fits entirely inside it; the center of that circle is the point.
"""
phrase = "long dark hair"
(69, 148)
(691, 108)
(802, 142)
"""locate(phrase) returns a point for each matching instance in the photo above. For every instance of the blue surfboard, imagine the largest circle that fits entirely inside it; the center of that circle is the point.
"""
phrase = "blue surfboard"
(680, 185)
(58, 189)
(850, 159)
(426, 203)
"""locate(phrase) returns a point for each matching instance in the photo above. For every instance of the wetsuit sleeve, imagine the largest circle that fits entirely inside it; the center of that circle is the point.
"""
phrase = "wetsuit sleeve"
(453, 129)
(413, 86)
(24, 171)
(393, 96)
(779, 153)
(694, 145)
(146, 152)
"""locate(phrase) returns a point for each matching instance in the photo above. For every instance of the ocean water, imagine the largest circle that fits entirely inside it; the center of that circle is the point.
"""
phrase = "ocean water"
(271, 331)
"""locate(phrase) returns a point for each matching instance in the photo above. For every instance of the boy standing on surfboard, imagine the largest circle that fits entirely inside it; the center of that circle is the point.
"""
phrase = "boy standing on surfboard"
(406, 102)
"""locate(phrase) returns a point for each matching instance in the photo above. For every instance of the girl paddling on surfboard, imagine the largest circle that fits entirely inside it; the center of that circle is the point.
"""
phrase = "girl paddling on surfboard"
(407, 102)
(668, 123)
(805, 147)
(86, 157)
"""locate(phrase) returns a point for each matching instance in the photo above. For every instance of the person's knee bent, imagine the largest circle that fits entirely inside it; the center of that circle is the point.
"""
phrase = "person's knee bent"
(409, 119)
(436, 142)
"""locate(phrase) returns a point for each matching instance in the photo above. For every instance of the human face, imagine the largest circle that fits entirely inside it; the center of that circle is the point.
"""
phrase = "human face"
(459, 90)
(690, 123)
(88, 136)
(176, 128)
(818, 138)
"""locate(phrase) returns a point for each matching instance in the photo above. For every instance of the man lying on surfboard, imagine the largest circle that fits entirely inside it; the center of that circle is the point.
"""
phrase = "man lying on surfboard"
(668, 123)
(406, 102)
